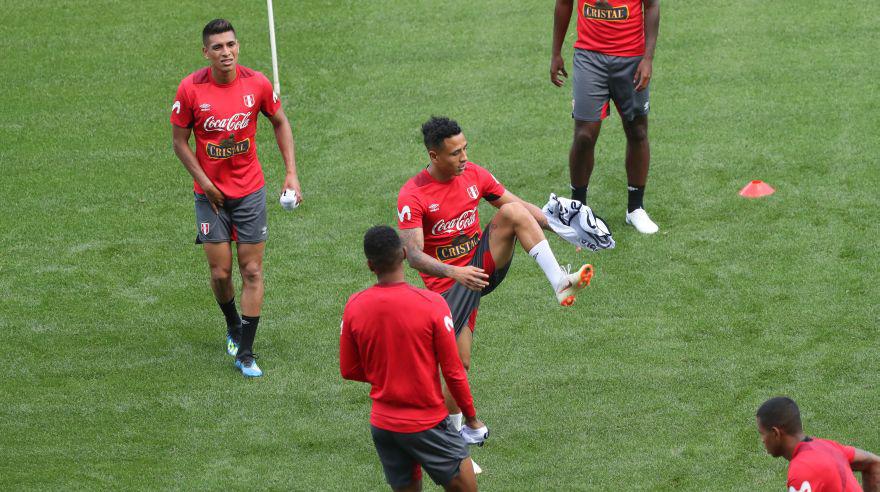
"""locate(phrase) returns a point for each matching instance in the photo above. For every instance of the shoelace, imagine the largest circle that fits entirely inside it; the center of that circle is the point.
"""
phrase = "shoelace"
(247, 360)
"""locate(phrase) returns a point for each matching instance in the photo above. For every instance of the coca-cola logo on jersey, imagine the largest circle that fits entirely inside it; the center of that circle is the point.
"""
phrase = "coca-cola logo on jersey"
(236, 122)
(460, 223)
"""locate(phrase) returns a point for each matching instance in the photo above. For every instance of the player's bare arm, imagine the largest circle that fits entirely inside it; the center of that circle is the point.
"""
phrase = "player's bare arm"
(869, 464)
(561, 19)
(536, 212)
(284, 137)
(180, 139)
(644, 71)
(414, 242)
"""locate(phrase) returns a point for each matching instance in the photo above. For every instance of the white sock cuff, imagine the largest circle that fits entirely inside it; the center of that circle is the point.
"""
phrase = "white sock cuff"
(538, 248)
(456, 420)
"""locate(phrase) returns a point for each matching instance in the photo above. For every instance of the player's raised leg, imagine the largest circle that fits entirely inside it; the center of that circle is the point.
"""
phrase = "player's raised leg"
(250, 264)
(219, 257)
(517, 220)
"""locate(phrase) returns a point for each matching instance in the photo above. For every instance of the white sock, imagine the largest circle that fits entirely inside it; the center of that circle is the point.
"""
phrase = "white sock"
(456, 420)
(544, 256)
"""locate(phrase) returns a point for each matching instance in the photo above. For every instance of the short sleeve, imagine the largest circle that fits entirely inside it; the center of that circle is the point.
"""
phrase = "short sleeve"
(409, 210)
(270, 103)
(490, 188)
(181, 110)
(849, 452)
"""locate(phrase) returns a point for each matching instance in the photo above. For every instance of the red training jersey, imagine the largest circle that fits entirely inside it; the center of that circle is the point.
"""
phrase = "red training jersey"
(618, 30)
(224, 120)
(393, 337)
(820, 465)
(448, 214)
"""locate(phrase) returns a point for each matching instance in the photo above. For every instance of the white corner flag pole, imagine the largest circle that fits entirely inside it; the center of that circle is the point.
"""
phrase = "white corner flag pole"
(274, 50)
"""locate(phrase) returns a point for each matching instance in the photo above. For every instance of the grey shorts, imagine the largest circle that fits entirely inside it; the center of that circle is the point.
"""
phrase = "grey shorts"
(242, 220)
(438, 450)
(598, 78)
(463, 302)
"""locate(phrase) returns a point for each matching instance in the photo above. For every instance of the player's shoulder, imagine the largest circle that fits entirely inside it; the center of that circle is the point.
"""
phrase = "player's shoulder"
(413, 186)
(425, 295)
(247, 72)
(356, 298)
(199, 77)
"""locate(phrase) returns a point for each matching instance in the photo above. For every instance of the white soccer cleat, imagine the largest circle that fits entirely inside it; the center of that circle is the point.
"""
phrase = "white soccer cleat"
(639, 219)
(574, 283)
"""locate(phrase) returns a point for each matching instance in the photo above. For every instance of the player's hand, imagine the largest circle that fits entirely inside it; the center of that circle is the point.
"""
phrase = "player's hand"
(471, 277)
(643, 74)
(474, 432)
(215, 197)
(474, 422)
(557, 70)
(292, 183)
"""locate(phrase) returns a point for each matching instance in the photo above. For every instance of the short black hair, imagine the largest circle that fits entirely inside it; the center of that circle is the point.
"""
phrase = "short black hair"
(781, 412)
(383, 248)
(437, 129)
(216, 26)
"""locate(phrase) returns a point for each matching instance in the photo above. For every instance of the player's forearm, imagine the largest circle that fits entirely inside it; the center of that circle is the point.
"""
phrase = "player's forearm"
(191, 163)
(561, 19)
(284, 137)
(871, 478)
(426, 264)
(652, 27)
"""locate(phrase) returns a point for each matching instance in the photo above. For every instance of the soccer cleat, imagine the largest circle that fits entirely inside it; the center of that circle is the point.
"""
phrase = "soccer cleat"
(474, 436)
(248, 366)
(231, 345)
(575, 282)
(639, 219)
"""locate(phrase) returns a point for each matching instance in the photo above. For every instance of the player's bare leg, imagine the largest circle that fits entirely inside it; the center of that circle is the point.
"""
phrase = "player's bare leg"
(515, 222)
(465, 481)
(465, 341)
(581, 157)
(638, 152)
(250, 264)
(638, 158)
(219, 257)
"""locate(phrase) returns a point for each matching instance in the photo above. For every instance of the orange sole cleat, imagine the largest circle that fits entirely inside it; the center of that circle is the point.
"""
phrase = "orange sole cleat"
(576, 282)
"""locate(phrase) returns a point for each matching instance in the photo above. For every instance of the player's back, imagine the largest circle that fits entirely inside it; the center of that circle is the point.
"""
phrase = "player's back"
(394, 327)
(821, 465)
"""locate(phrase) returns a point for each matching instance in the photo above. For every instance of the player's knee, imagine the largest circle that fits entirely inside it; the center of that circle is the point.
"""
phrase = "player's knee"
(220, 274)
(637, 132)
(252, 272)
(514, 212)
(585, 137)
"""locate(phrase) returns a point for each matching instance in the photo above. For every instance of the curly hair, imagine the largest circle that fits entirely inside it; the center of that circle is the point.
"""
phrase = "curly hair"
(437, 129)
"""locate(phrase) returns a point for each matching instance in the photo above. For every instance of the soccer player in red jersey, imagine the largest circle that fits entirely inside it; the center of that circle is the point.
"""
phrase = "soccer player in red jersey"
(394, 336)
(817, 465)
(220, 104)
(439, 223)
(613, 59)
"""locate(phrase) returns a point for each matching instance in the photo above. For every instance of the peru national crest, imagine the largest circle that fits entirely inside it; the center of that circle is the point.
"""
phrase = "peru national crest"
(205, 227)
(472, 192)
(249, 100)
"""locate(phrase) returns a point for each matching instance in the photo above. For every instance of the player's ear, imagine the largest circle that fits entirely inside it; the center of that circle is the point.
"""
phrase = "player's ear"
(205, 52)
(432, 154)
(404, 252)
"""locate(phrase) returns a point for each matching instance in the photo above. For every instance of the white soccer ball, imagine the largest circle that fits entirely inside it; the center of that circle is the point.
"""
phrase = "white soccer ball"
(288, 200)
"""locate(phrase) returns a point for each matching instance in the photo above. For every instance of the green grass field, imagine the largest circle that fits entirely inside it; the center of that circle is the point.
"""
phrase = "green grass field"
(114, 374)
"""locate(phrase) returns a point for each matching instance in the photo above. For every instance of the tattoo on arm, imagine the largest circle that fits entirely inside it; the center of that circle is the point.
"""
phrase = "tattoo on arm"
(413, 242)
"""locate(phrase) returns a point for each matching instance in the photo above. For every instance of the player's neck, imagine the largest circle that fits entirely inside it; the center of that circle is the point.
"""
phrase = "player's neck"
(395, 277)
(224, 78)
(436, 174)
(790, 444)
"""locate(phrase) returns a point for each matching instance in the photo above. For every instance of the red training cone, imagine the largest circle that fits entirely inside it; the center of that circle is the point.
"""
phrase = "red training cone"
(756, 189)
